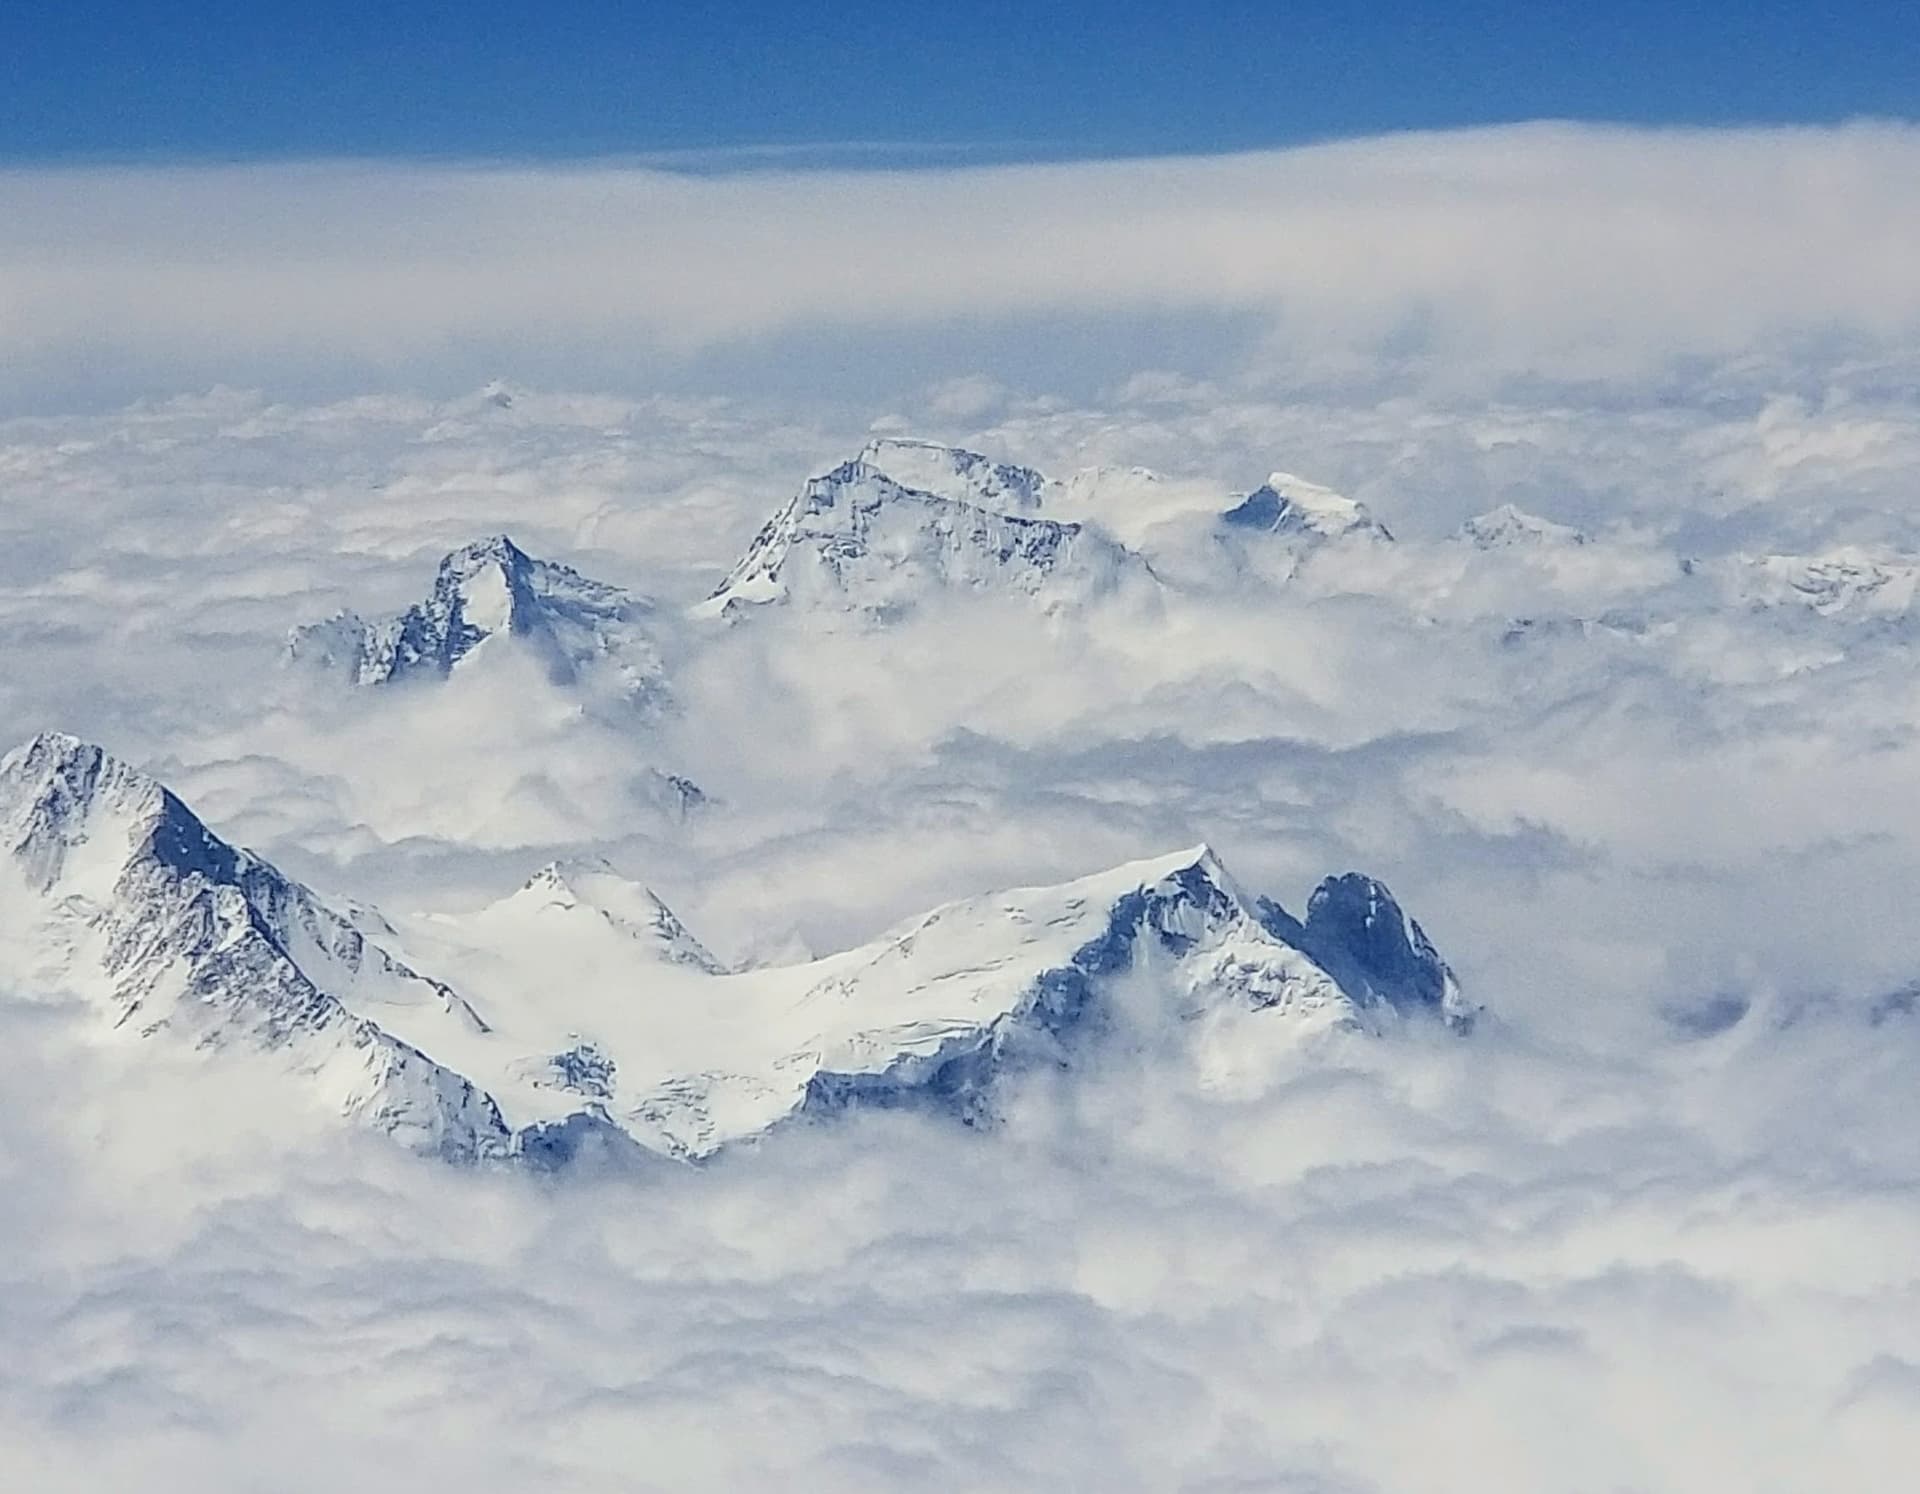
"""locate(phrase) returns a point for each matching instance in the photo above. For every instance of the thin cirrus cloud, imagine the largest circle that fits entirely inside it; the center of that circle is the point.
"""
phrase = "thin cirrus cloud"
(1518, 245)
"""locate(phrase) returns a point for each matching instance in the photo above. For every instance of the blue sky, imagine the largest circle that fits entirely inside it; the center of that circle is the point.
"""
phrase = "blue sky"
(992, 80)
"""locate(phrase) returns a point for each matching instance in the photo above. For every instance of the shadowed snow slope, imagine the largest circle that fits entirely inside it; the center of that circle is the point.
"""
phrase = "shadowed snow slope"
(590, 1010)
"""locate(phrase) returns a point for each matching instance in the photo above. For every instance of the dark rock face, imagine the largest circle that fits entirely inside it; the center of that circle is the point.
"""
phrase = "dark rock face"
(585, 1142)
(1272, 510)
(1359, 935)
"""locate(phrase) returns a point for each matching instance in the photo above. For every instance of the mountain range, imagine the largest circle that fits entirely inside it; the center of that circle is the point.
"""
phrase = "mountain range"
(580, 1011)
(906, 523)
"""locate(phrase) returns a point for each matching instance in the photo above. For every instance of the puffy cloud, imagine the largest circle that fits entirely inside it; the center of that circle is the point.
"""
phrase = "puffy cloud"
(1397, 1272)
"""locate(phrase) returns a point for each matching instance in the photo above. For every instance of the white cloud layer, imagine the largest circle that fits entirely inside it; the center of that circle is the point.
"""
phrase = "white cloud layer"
(1652, 1228)
(1573, 248)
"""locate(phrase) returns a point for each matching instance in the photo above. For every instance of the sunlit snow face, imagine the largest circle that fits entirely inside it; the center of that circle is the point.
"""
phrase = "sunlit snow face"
(487, 601)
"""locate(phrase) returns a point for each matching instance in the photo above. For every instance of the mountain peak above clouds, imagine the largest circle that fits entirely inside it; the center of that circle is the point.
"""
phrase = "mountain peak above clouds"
(1291, 506)
(857, 540)
(490, 590)
(585, 1009)
(1509, 527)
(113, 892)
(1360, 935)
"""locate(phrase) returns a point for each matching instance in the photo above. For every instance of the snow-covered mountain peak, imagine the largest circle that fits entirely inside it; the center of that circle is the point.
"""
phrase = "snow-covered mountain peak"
(591, 887)
(116, 893)
(856, 540)
(1509, 527)
(71, 815)
(586, 1006)
(1289, 505)
(1193, 876)
(495, 551)
(954, 472)
(60, 775)
(485, 588)
(492, 589)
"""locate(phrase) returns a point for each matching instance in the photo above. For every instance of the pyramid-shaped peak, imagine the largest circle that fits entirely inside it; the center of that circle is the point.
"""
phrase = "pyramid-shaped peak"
(1509, 525)
(488, 588)
(62, 798)
(567, 872)
(1194, 860)
(51, 749)
(494, 550)
(1357, 929)
(61, 773)
(1194, 876)
(1289, 505)
(594, 887)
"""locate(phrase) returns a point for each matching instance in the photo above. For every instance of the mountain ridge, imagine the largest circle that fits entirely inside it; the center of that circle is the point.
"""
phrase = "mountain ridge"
(649, 1046)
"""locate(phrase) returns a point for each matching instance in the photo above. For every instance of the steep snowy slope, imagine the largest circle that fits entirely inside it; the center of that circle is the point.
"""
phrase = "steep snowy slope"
(857, 541)
(112, 891)
(487, 594)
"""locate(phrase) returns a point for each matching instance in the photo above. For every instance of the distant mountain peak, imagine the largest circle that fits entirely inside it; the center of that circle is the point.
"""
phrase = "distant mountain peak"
(857, 540)
(1292, 506)
(1509, 527)
(491, 588)
(1853, 581)
(492, 550)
